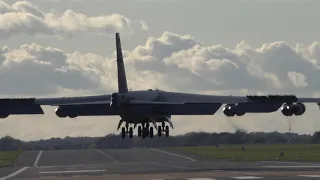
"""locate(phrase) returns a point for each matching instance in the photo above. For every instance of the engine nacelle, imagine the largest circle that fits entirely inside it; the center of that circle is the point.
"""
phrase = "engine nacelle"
(232, 110)
(286, 110)
(228, 110)
(297, 109)
(60, 113)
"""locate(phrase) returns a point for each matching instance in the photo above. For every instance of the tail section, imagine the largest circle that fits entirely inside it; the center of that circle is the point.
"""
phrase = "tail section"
(122, 80)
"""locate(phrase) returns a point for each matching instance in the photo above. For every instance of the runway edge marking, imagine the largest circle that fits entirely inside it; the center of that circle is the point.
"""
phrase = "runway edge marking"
(14, 173)
(174, 154)
(35, 164)
(311, 176)
(287, 167)
(110, 157)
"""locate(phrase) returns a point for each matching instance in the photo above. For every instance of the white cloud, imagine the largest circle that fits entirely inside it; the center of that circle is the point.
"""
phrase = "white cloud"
(170, 62)
(173, 61)
(144, 26)
(297, 79)
(25, 17)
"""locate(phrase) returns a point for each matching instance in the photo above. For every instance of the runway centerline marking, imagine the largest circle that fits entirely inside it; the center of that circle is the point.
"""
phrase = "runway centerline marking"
(14, 173)
(106, 155)
(35, 164)
(173, 154)
(75, 171)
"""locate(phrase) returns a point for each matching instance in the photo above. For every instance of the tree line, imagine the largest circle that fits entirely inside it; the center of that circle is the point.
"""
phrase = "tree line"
(113, 141)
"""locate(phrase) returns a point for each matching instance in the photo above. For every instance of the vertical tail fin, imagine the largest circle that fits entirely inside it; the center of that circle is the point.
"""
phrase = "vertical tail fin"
(122, 80)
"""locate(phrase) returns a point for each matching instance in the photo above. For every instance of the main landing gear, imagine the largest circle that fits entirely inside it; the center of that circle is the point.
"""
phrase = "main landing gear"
(163, 128)
(126, 130)
(145, 130)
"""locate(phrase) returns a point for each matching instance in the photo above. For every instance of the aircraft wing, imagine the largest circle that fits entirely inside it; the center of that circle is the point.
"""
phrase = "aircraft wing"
(309, 100)
(173, 98)
(198, 98)
(138, 102)
(100, 99)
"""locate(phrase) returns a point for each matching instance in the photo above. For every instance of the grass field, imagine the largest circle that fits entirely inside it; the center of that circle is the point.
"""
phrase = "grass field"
(292, 152)
(7, 157)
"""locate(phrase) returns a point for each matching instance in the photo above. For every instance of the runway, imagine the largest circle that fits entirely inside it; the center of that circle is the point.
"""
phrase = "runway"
(148, 164)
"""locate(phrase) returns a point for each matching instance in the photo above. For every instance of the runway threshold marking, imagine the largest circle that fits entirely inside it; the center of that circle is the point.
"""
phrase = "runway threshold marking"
(75, 171)
(104, 154)
(35, 164)
(173, 154)
(14, 173)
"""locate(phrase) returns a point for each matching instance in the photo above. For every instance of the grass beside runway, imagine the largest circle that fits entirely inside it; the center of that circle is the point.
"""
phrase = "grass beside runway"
(8, 157)
(291, 152)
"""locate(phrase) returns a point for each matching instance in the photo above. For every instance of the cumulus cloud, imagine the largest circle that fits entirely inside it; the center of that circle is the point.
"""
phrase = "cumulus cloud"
(171, 62)
(38, 70)
(25, 17)
(187, 65)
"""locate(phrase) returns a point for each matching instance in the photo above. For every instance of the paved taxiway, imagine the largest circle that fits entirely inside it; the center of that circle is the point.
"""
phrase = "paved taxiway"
(144, 163)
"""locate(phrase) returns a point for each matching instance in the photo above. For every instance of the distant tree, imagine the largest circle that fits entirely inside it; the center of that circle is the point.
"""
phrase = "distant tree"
(316, 137)
(112, 141)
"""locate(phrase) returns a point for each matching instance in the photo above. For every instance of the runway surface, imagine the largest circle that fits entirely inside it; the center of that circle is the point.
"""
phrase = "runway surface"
(144, 163)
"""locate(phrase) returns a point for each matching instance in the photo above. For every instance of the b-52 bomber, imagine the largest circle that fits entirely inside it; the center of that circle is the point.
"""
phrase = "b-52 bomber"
(147, 108)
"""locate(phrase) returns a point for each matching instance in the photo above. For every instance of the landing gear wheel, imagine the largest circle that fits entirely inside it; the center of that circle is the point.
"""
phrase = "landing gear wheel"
(139, 131)
(159, 131)
(130, 132)
(143, 133)
(147, 130)
(151, 132)
(167, 131)
(123, 132)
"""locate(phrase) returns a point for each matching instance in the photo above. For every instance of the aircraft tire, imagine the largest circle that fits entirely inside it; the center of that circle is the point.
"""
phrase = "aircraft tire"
(151, 132)
(159, 131)
(167, 131)
(143, 134)
(139, 131)
(131, 132)
(123, 132)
